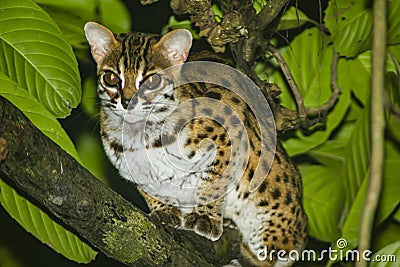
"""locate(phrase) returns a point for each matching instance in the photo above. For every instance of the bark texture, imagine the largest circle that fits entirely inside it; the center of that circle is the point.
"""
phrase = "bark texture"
(52, 179)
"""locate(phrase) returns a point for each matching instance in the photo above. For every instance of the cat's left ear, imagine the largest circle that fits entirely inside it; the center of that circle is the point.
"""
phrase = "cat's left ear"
(175, 45)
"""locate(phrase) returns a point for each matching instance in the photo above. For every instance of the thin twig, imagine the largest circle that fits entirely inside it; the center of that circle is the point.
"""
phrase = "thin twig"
(377, 127)
(303, 112)
(335, 90)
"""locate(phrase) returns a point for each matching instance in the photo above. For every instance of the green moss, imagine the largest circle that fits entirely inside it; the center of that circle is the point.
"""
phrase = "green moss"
(134, 239)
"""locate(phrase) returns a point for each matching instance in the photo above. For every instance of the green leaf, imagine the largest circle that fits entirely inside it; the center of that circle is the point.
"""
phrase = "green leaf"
(173, 24)
(340, 12)
(357, 152)
(259, 4)
(390, 198)
(41, 226)
(292, 18)
(396, 215)
(37, 114)
(36, 56)
(355, 36)
(323, 201)
(391, 253)
(360, 84)
(350, 23)
(309, 51)
(331, 154)
(388, 232)
(393, 22)
(72, 15)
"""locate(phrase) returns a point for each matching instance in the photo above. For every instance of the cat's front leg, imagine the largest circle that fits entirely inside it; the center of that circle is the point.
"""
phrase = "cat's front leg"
(206, 220)
(163, 212)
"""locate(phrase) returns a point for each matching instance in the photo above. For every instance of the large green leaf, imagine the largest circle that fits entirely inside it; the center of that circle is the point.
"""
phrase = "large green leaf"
(309, 59)
(355, 36)
(323, 201)
(72, 15)
(357, 155)
(390, 197)
(360, 83)
(387, 256)
(340, 12)
(34, 54)
(388, 232)
(331, 154)
(41, 226)
(350, 23)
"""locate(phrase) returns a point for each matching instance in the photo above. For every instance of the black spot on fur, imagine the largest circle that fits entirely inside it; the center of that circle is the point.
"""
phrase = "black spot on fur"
(285, 178)
(209, 129)
(288, 199)
(235, 120)
(202, 135)
(251, 174)
(262, 187)
(214, 95)
(278, 159)
(235, 100)
(219, 120)
(222, 137)
(275, 206)
(207, 111)
(116, 147)
(191, 155)
(276, 193)
(227, 110)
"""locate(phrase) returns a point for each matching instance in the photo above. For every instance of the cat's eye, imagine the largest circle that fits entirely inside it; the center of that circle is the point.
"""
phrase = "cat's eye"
(111, 79)
(152, 82)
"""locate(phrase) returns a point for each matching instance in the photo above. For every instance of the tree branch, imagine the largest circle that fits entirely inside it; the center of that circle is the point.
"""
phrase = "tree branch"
(304, 112)
(377, 127)
(50, 177)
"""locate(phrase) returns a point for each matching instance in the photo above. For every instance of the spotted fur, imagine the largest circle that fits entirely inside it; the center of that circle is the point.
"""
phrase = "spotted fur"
(271, 217)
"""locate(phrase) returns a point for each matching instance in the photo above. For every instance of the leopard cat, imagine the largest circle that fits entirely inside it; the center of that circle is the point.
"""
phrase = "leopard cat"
(271, 217)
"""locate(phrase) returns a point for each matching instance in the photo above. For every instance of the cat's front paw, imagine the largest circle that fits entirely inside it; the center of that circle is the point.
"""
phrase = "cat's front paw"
(204, 225)
(170, 219)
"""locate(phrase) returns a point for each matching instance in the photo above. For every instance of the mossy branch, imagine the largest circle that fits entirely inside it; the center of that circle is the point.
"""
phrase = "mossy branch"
(52, 179)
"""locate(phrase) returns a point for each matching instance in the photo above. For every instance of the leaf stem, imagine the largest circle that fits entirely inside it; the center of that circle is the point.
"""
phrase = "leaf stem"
(377, 127)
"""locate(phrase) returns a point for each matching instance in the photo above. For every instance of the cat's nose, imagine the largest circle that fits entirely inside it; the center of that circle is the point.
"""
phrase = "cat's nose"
(129, 103)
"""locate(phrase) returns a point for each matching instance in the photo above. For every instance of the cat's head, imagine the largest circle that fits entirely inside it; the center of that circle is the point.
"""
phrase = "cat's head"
(127, 67)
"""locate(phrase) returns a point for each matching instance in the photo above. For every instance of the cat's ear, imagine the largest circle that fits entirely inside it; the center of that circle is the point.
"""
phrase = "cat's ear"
(101, 40)
(175, 45)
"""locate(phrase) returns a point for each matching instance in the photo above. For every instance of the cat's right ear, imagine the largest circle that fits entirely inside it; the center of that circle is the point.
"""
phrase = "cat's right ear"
(101, 40)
